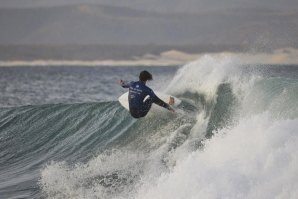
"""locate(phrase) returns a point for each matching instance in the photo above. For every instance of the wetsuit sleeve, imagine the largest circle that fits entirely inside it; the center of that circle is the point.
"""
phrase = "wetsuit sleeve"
(158, 101)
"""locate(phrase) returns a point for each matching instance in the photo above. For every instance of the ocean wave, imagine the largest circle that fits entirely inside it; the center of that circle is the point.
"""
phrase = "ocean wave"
(234, 135)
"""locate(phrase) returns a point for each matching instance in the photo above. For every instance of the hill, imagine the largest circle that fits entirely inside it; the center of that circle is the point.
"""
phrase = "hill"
(87, 24)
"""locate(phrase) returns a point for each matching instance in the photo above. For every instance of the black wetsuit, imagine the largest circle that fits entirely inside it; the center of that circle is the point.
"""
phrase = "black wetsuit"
(138, 105)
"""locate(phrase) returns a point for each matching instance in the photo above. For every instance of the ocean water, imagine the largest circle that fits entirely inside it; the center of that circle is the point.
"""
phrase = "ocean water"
(63, 133)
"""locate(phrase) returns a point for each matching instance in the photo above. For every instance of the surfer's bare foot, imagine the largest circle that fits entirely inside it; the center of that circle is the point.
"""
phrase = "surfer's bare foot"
(172, 101)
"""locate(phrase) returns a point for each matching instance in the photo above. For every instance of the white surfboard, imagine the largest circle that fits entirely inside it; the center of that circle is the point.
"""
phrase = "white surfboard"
(123, 99)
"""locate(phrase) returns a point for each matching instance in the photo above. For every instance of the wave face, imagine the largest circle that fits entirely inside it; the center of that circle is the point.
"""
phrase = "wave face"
(233, 136)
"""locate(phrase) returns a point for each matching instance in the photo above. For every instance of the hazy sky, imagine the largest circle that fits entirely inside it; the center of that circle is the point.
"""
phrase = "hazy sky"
(165, 5)
(150, 22)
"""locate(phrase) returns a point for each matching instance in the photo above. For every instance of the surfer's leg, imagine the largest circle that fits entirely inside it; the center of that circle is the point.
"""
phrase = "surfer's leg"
(135, 113)
(146, 106)
(148, 103)
(142, 111)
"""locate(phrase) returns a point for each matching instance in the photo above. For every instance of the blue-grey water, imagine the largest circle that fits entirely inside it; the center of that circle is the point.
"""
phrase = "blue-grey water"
(47, 85)
(63, 134)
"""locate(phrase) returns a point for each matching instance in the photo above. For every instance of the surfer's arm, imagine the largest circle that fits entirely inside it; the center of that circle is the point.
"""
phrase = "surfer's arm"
(162, 103)
(158, 101)
(123, 84)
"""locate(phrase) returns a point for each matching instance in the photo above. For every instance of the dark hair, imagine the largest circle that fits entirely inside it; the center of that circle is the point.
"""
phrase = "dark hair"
(145, 75)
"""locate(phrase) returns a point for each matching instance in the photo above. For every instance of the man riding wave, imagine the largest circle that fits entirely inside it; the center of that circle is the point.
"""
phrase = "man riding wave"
(141, 97)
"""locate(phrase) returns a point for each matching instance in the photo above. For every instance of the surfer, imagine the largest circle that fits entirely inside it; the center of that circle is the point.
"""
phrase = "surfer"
(139, 103)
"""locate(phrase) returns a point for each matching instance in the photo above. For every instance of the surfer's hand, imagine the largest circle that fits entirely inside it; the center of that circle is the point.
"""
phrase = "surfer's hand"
(121, 82)
(172, 101)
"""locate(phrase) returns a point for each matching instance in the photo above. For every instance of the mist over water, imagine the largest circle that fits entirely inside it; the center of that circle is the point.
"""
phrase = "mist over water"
(233, 136)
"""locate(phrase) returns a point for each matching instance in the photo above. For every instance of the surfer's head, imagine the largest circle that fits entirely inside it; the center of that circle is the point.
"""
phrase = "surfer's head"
(145, 75)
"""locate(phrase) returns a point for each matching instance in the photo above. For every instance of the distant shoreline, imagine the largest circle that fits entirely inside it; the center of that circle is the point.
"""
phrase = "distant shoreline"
(167, 58)
(41, 63)
(74, 52)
